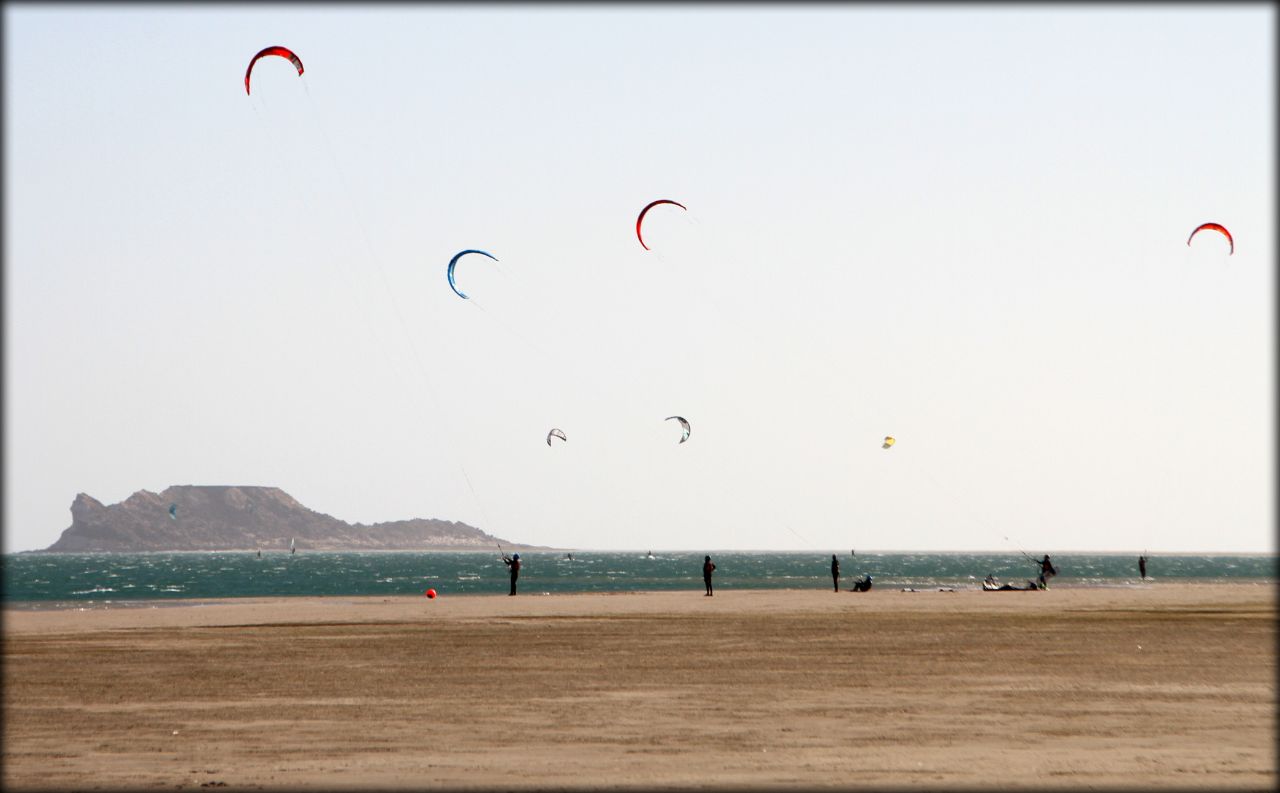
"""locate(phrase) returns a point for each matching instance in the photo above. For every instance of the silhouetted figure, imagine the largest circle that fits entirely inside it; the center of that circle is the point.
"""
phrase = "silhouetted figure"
(707, 569)
(863, 584)
(1047, 571)
(514, 564)
(1142, 566)
(835, 571)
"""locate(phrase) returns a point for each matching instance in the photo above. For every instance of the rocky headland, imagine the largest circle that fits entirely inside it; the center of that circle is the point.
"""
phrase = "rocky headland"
(231, 518)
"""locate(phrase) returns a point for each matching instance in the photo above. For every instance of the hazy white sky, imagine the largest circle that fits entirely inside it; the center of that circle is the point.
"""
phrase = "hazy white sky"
(963, 226)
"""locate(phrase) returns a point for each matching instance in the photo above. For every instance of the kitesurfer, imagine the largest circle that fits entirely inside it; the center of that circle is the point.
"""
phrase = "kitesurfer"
(514, 564)
(863, 584)
(1142, 566)
(1047, 571)
(835, 571)
(707, 569)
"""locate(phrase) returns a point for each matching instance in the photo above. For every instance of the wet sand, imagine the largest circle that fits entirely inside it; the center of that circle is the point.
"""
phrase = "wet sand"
(1154, 687)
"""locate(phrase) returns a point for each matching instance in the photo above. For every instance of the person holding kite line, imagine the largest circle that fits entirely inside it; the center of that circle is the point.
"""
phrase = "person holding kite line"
(1047, 571)
(514, 563)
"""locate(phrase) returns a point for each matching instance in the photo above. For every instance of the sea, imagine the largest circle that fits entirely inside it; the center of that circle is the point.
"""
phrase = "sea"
(106, 580)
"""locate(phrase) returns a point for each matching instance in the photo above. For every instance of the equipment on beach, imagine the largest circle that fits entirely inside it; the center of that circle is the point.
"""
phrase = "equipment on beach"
(1030, 587)
(430, 593)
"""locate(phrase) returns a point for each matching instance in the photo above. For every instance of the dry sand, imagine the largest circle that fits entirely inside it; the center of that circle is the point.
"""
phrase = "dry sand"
(1155, 687)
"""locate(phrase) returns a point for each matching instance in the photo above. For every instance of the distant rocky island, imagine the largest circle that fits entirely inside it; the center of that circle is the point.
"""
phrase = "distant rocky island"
(229, 518)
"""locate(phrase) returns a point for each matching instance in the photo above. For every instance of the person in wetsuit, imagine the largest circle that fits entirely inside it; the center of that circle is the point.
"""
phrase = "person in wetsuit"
(707, 569)
(1142, 566)
(514, 564)
(1047, 571)
(835, 571)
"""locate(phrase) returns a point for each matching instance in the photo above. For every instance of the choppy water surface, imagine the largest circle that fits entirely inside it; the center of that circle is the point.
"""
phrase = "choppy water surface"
(94, 579)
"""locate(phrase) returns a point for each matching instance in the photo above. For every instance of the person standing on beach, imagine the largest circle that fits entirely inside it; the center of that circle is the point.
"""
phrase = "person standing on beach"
(707, 569)
(1047, 571)
(835, 571)
(1142, 566)
(514, 564)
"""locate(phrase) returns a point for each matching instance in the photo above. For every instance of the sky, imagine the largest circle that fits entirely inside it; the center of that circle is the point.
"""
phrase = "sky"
(963, 226)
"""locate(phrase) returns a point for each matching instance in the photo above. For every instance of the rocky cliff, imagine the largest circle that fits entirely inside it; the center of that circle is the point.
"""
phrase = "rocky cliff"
(223, 518)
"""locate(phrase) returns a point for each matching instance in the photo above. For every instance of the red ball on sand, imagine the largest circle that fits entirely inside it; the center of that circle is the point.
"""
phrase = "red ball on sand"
(430, 593)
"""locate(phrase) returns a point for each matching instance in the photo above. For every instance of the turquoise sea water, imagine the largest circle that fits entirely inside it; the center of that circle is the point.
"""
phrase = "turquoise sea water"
(104, 579)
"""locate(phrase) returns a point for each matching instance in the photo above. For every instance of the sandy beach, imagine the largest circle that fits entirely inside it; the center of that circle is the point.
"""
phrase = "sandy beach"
(1154, 687)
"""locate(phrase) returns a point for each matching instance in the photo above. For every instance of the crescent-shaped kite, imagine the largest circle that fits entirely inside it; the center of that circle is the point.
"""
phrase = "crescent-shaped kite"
(651, 205)
(684, 424)
(556, 434)
(283, 52)
(1215, 227)
(454, 261)
(888, 441)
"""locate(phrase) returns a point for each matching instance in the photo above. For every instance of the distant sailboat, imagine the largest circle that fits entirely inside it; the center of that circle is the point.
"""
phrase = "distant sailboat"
(292, 548)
